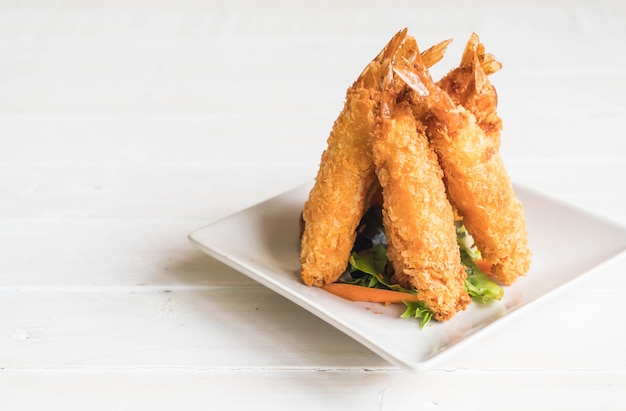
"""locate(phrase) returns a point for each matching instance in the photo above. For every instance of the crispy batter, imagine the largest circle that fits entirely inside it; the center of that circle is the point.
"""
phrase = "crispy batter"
(409, 51)
(337, 201)
(345, 178)
(481, 190)
(476, 179)
(418, 219)
(468, 86)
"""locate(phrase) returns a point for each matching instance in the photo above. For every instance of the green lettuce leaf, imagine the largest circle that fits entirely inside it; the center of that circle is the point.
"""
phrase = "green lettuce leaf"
(482, 288)
(478, 285)
(367, 268)
(371, 261)
(417, 310)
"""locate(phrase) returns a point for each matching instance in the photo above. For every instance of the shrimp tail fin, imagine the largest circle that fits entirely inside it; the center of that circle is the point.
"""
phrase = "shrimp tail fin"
(370, 77)
(434, 54)
(414, 75)
(389, 52)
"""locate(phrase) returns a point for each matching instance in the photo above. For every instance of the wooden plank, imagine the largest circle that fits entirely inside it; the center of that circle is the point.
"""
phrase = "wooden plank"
(198, 327)
(106, 253)
(248, 326)
(197, 389)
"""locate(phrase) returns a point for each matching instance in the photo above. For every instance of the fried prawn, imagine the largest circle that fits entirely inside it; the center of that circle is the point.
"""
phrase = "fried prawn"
(409, 51)
(418, 219)
(344, 180)
(475, 177)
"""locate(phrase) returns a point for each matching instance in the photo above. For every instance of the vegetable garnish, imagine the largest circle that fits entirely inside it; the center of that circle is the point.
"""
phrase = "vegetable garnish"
(417, 310)
(373, 295)
(367, 273)
(367, 279)
(478, 285)
(367, 269)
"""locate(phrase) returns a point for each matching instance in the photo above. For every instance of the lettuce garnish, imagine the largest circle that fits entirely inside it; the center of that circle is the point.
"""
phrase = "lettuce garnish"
(417, 310)
(478, 285)
(367, 266)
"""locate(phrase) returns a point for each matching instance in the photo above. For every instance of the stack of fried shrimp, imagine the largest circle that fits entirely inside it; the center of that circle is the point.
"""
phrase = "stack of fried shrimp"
(432, 149)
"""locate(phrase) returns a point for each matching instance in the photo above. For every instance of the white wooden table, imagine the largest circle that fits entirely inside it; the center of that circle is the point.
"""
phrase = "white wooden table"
(126, 125)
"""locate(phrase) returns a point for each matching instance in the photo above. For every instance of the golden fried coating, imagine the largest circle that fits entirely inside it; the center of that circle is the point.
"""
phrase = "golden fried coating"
(409, 51)
(418, 219)
(476, 180)
(481, 190)
(337, 200)
(345, 178)
(469, 86)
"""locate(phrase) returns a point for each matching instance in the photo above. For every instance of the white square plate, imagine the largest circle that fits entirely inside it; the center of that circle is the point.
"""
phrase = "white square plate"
(263, 243)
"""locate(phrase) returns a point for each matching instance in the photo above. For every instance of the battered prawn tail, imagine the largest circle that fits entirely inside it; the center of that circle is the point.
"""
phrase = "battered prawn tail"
(387, 94)
(482, 99)
(488, 62)
(474, 53)
(468, 85)
(415, 75)
(400, 45)
(391, 90)
(370, 77)
(434, 54)
(426, 96)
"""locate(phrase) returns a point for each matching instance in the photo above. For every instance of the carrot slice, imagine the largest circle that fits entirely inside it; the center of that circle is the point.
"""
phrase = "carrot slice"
(375, 295)
(484, 266)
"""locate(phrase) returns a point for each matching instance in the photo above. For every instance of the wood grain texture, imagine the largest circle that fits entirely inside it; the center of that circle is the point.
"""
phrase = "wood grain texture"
(126, 125)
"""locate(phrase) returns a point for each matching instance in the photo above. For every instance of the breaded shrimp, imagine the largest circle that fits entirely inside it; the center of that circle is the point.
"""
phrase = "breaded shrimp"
(418, 218)
(475, 177)
(468, 86)
(346, 183)
(345, 178)
(409, 50)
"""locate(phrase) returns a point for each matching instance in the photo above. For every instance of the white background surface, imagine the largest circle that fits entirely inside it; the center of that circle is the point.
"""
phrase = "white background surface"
(124, 125)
